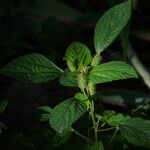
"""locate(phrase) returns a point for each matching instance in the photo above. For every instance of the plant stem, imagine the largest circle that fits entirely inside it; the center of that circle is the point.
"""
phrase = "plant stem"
(93, 119)
(82, 136)
(114, 135)
(103, 130)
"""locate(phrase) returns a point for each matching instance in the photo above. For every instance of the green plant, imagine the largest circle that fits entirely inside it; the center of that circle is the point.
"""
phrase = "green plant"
(84, 72)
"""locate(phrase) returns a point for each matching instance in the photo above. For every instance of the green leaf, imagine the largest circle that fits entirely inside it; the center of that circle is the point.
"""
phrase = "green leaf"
(46, 109)
(3, 105)
(97, 146)
(65, 114)
(34, 68)
(78, 55)
(45, 114)
(136, 131)
(82, 98)
(115, 70)
(69, 79)
(110, 24)
(114, 119)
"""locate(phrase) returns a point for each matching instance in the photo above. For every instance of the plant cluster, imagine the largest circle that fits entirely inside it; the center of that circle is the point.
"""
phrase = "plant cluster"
(85, 72)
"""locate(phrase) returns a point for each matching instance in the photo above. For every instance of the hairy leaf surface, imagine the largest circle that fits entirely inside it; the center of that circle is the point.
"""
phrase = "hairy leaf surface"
(115, 70)
(110, 24)
(34, 68)
(77, 56)
(65, 114)
(136, 131)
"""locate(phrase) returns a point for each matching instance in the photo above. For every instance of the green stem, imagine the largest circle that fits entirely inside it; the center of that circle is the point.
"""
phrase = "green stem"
(114, 135)
(82, 136)
(103, 130)
(102, 125)
(93, 119)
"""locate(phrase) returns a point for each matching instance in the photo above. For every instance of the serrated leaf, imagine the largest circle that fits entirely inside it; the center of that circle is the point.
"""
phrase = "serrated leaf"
(65, 114)
(3, 105)
(114, 70)
(68, 79)
(110, 24)
(136, 131)
(97, 146)
(114, 119)
(34, 68)
(77, 55)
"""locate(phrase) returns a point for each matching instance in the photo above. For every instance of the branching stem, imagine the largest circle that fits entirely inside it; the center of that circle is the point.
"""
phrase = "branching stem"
(82, 136)
(114, 135)
(107, 129)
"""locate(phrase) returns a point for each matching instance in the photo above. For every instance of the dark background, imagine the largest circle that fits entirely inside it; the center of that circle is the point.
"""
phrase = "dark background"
(48, 27)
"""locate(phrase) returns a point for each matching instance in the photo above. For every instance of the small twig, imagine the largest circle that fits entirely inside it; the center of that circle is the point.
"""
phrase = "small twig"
(82, 136)
(103, 130)
(102, 125)
(98, 121)
(114, 135)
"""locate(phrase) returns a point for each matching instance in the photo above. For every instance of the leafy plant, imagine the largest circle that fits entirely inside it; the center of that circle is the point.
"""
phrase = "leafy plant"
(85, 72)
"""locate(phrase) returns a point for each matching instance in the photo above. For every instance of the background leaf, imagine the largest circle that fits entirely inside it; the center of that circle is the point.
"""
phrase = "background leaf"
(110, 24)
(136, 131)
(3, 105)
(115, 70)
(65, 114)
(77, 56)
(59, 139)
(47, 8)
(32, 68)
